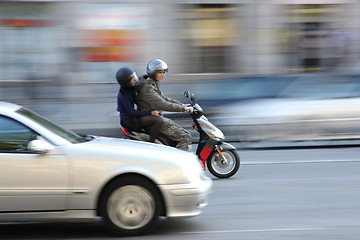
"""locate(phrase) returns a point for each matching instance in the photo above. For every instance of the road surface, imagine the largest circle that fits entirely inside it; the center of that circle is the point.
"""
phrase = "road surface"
(277, 194)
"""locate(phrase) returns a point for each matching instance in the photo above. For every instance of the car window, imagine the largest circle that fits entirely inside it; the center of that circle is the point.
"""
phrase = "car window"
(14, 137)
(56, 129)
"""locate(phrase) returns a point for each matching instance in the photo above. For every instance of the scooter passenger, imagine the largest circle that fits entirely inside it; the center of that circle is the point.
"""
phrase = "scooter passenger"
(130, 118)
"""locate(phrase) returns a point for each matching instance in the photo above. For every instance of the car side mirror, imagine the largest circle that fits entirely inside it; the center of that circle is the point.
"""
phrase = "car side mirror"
(39, 146)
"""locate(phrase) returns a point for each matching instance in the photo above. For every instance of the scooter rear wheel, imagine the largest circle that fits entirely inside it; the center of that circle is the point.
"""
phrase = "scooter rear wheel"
(223, 166)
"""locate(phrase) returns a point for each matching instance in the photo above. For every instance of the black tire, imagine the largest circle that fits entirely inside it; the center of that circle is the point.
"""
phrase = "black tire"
(223, 169)
(130, 206)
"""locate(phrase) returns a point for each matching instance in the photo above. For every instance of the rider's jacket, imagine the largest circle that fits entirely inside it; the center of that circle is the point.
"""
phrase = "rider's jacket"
(149, 97)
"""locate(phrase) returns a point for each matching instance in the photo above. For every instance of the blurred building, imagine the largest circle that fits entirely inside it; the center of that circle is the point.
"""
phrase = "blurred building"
(86, 41)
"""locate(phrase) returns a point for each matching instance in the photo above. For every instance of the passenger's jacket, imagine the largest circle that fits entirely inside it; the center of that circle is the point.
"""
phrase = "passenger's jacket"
(126, 102)
(149, 97)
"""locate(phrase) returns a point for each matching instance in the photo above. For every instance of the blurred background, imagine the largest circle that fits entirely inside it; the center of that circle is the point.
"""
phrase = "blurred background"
(264, 70)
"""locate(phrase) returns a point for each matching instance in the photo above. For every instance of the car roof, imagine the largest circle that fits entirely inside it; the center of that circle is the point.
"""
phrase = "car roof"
(8, 107)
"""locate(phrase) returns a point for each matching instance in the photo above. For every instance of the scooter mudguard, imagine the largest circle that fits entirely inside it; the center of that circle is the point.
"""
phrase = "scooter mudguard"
(227, 146)
(206, 151)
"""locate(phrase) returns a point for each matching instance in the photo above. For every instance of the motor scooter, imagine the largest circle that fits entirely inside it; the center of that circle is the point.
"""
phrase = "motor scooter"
(220, 157)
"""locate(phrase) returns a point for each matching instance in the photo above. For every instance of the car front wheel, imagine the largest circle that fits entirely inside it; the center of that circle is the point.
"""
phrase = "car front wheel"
(130, 206)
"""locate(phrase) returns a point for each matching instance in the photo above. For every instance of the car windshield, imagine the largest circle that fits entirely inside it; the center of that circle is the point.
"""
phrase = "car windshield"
(56, 129)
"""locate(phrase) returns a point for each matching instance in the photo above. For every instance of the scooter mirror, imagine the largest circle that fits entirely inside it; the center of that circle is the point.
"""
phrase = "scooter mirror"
(192, 98)
(186, 94)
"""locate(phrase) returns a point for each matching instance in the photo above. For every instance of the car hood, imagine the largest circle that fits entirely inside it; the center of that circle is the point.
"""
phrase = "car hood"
(120, 144)
(162, 163)
(135, 149)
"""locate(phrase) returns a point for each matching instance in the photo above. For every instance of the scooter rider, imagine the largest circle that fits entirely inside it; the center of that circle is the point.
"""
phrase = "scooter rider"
(150, 98)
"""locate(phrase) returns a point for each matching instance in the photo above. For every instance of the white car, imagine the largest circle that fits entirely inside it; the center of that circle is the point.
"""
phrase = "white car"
(48, 173)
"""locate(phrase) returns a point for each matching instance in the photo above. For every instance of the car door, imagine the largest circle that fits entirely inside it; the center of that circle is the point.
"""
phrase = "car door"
(29, 181)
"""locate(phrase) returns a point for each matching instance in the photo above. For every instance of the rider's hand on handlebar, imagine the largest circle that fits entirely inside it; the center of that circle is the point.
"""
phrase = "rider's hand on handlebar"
(155, 113)
(189, 109)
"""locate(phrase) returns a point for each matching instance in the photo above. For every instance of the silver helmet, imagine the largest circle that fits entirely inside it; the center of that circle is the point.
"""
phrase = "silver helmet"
(154, 66)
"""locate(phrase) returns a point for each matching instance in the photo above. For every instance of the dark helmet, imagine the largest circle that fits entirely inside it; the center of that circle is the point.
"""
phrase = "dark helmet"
(124, 76)
(154, 66)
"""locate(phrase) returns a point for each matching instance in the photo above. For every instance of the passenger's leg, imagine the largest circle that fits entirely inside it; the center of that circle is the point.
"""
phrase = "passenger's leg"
(154, 122)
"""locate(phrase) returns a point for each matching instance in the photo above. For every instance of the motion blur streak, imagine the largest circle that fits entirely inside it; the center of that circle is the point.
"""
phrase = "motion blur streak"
(59, 57)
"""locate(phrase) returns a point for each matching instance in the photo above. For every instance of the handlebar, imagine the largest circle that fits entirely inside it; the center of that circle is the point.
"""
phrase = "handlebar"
(197, 109)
